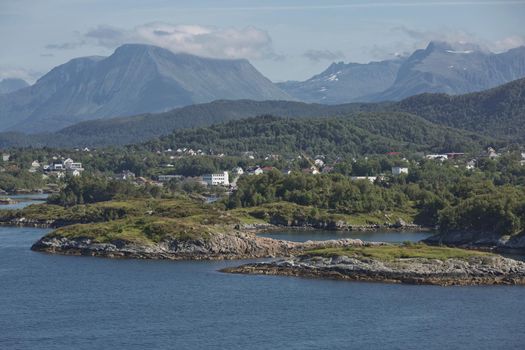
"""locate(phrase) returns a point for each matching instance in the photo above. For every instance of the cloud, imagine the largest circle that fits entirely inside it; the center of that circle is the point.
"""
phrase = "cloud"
(249, 42)
(66, 46)
(16, 72)
(323, 55)
(108, 36)
(421, 38)
(508, 43)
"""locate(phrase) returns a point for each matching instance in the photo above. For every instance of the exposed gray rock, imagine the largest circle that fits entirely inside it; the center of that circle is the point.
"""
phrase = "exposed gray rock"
(472, 271)
(235, 245)
(486, 240)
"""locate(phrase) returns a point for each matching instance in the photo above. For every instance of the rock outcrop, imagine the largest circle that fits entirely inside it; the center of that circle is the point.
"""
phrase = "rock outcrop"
(481, 240)
(236, 245)
(490, 269)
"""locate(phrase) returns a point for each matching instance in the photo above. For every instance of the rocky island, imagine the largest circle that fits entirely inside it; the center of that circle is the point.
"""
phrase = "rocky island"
(411, 264)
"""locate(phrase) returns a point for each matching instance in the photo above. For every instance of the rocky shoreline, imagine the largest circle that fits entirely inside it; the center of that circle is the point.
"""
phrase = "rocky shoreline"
(480, 240)
(489, 270)
(237, 245)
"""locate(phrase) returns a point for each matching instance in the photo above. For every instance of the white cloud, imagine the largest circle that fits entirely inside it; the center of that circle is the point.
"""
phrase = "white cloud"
(16, 72)
(249, 42)
(323, 55)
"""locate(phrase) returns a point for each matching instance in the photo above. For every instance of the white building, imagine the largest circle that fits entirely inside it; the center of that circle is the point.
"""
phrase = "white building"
(398, 170)
(319, 163)
(254, 171)
(238, 171)
(440, 157)
(372, 179)
(6, 157)
(216, 179)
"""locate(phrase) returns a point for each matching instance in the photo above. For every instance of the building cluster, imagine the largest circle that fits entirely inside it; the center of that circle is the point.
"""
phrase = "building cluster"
(59, 167)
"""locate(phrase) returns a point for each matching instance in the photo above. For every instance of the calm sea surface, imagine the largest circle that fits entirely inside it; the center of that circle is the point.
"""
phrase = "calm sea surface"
(59, 302)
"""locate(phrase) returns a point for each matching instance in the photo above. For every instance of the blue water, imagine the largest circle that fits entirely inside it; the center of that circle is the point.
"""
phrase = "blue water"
(60, 302)
(24, 200)
(318, 235)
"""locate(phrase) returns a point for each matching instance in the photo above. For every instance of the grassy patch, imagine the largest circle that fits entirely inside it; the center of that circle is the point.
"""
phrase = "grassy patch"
(404, 251)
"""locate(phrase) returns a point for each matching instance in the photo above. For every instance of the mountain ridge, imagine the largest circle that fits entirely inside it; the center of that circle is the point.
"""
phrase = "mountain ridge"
(135, 79)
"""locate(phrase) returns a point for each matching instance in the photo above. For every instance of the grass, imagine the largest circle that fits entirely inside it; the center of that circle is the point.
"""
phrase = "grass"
(403, 251)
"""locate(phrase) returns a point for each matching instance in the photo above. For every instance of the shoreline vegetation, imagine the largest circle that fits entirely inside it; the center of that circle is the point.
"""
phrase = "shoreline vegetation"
(185, 228)
(387, 263)
(98, 216)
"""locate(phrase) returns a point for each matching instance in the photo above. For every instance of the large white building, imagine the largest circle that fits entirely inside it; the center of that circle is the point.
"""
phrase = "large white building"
(216, 179)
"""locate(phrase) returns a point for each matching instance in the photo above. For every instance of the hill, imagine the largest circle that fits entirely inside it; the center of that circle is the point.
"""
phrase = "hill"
(498, 112)
(453, 69)
(11, 85)
(136, 129)
(134, 79)
(439, 68)
(343, 83)
(362, 133)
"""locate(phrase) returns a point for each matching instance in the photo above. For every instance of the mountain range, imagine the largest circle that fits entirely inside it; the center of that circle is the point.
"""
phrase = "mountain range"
(134, 79)
(12, 84)
(142, 79)
(497, 113)
(439, 68)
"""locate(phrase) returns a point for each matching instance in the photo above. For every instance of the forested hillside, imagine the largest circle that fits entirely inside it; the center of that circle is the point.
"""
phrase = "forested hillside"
(498, 112)
(364, 133)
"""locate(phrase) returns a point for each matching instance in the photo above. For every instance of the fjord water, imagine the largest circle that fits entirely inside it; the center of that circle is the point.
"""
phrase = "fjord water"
(374, 236)
(61, 302)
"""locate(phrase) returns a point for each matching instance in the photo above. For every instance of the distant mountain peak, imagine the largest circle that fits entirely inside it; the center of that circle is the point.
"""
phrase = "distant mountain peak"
(8, 85)
(454, 47)
(136, 78)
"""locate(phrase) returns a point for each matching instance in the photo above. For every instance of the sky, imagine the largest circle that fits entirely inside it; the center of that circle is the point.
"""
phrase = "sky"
(284, 39)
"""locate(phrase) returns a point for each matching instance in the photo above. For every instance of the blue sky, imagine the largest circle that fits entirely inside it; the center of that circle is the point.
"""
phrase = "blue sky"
(286, 39)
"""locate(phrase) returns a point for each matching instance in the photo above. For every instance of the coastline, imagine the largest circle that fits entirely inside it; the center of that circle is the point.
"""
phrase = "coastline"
(494, 270)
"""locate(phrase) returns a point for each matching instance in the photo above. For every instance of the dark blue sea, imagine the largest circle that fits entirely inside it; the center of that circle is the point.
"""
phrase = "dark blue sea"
(60, 302)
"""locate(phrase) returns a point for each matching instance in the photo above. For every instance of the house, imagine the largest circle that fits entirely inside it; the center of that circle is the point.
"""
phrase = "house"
(238, 171)
(6, 157)
(491, 153)
(319, 163)
(73, 172)
(372, 179)
(454, 155)
(266, 169)
(311, 170)
(287, 171)
(440, 157)
(398, 170)
(216, 179)
(254, 170)
(471, 164)
(167, 178)
(57, 167)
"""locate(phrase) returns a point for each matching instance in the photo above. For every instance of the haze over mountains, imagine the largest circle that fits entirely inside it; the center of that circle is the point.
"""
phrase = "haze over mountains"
(139, 79)
(441, 67)
(497, 114)
(134, 79)
(11, 85)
